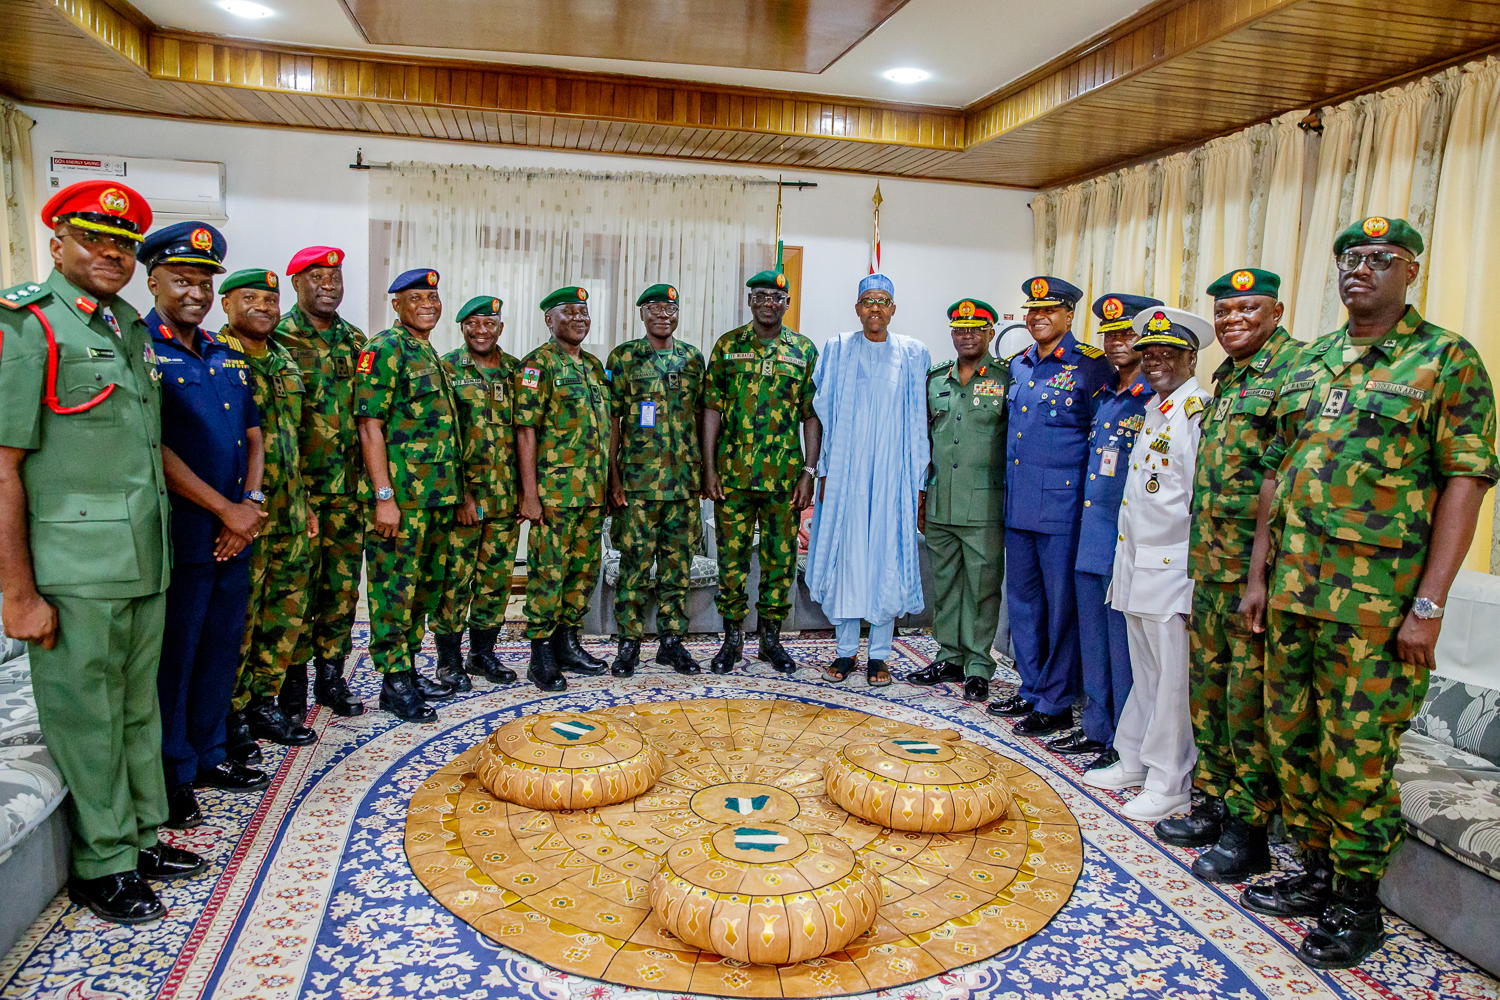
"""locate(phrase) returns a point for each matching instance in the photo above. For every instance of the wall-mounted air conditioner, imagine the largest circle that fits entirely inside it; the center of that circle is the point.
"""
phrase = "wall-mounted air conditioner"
(175, 189)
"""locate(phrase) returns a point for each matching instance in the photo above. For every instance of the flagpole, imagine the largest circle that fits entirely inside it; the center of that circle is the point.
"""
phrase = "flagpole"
(779, 247)
(875, 231)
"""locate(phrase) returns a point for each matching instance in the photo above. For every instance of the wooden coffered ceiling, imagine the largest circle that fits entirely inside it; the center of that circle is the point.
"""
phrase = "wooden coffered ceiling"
(1178, 72)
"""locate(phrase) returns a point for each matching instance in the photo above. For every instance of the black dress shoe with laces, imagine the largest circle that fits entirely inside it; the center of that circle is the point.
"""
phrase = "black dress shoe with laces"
(165, 862)
(232, 777)
(1106, 759)
(239, 744)
(976, 689)
(1078, 742)
(182, 808)
(123, 898)
(268, 722)
(1040, 723)
(936, 673)
(434, 689)
(1012, 706)
(1199, 828)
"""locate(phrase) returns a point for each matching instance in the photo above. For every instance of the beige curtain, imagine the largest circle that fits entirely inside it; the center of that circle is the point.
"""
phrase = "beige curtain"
(17, 222)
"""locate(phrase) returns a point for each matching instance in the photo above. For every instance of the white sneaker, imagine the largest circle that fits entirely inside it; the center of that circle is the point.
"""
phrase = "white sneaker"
(1114, 776)
(1148, 807)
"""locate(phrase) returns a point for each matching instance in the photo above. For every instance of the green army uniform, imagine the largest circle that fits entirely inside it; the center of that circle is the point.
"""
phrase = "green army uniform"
(403, 383)
(763, 391)
(567, 402)
(656, 396)
(965, 510)
(97, 511)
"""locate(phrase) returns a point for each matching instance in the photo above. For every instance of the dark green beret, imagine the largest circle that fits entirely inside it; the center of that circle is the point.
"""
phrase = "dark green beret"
(658, 293)
(768, 279)
(480, 305)
(564, 296)
(972, 312)
(1246, 281)
(252, 277)
(1379, 229)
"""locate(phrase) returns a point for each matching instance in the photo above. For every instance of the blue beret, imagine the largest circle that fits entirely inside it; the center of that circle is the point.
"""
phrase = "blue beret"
(194, 243)
(420, 277)
(1045, 290)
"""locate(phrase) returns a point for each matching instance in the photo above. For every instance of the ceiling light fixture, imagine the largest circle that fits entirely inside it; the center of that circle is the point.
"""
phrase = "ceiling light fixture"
(906, 74)
(244, 8)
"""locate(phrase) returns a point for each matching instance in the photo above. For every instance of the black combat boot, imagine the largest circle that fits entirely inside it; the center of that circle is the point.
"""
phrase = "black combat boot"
(266, 722)
(771, 650)
(400, 697)
(330, 688)
(239, 745)
(1349, 929)
(731, 650)
(482, 661)
(433, 690)
(543, 670)
(1242, 851)
(292, 697)
(627, 658)
(1304, 895)
(450, 662)
(1199, 828)
(572, 657)
(670, 653)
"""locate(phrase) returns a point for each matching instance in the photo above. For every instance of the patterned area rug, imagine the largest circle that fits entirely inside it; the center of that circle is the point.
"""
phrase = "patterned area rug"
(310, 893)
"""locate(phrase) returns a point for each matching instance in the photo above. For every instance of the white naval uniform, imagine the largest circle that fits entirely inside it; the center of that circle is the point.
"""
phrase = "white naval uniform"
(1151, 587)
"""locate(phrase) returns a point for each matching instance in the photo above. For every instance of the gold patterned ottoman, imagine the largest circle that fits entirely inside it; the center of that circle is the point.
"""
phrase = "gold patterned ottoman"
(938, 785)
(567, 760)
(765, 893)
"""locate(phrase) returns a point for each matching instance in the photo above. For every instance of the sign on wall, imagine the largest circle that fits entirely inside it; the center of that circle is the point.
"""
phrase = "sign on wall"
(187, 189)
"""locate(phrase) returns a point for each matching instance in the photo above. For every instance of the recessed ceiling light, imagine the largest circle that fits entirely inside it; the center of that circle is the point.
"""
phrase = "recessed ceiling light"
(244, 8)
(906, 74)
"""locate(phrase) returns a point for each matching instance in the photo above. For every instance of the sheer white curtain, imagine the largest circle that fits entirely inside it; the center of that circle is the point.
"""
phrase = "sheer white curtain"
(518, 234)
(17, 220)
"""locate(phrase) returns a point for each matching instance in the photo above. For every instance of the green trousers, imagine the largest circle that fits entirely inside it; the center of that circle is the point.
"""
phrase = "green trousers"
(660, 533)
(277, 622)
(334, 573)
(967, 563)
(736, 517)
(407, 574)
(97, 704)
(481, 557)
(562, 564)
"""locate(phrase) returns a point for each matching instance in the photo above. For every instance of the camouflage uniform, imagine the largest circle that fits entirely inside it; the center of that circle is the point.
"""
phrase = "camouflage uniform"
(403, 383)
(567, 402)
(763, 392)
(1366, 435)
(279, 564)
(331, 472)
(481, 555)
(1226, 676)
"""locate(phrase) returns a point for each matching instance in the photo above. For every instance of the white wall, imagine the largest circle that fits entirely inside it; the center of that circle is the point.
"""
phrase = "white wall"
(287, 189)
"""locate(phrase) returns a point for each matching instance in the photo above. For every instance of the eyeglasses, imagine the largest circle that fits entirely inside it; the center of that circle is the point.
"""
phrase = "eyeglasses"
(1379, 260)
(768, 298)
(95, 240)
(870, 303)
(660, 308)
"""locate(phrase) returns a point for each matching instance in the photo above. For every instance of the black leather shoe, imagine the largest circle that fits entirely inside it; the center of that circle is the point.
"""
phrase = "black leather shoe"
(1040, 723)
(572, 657)
(399, 695)
(482, 661)
(976, 689)
(1078, 742)
(239, 745)
(232, 777)
(432, 690)
(1105, 759)
(267, 723)
(165, 862)
(543, 670)
(936, 673)
(1241, 851)
(450, 663)
(671, 653)
(1304, 895)
(770, 649)
(627, 658)
(182, 808)
(292, 696)
(331, 690)
(731, 650)
(124, 898)
(1202, 826)
(1349, 930)
(1012, 706)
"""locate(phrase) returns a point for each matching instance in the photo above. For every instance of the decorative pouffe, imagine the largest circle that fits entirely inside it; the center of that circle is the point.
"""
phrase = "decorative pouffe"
(568, 760)
(765, 893)
(938, 785)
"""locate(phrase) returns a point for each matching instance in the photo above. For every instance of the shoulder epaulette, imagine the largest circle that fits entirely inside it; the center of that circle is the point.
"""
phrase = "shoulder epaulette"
(1089, 350)
(940, 366)
(23, 295)
(1193, 405)
(232, 342)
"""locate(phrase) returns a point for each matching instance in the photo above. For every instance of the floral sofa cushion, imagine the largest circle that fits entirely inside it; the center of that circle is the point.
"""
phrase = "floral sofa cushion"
(30, 787)
(704, 571)
(1461, 715)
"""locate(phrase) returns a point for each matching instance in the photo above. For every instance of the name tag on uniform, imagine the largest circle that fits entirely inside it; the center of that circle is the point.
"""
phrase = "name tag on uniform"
(1109, 459)
(739, 357)
(101, 353)
(648, 414)
(1334, 404)
(1396, 388)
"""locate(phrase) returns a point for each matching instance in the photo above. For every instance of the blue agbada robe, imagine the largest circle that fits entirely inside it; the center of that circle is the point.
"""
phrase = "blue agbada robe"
(862, 558)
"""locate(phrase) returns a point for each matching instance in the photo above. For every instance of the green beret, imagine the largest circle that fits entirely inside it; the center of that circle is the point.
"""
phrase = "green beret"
(768, 279)
(480, 305)
(1379, 229)
(251, 277)
(1246, 281)
(658, 293)
(972, 312)
(565, 295)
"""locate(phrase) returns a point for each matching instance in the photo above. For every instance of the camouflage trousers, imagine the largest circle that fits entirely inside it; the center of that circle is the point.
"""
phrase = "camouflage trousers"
(1226, 696)
(1337, 701)
(480, 560)
(562, 564)
(407, 576)
(276, 623)
(333, 571)
(663, 532)
(736, 517)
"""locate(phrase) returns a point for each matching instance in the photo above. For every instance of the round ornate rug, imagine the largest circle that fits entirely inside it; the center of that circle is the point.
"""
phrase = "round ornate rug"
(571, 888)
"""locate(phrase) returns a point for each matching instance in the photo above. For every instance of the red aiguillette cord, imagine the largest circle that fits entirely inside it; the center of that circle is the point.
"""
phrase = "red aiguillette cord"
(50, 397)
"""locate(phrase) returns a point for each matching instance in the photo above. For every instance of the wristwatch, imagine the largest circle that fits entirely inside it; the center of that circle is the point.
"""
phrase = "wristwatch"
(1426, 609)
(385, 493)
(255, 496)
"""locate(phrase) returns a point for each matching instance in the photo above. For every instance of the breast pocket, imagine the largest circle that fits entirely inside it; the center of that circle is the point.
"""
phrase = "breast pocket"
(81, 380)
(1061, 490)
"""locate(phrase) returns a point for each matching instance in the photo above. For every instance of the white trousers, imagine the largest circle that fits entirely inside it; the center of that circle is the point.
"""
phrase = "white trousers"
(1156, 732)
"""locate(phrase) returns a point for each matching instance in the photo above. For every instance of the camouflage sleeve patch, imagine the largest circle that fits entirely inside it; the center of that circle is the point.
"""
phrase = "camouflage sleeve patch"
(375, 391)
(1464, 438)
(616, 381)
(1192, 406)
(715, 378)
(807, 389)
(533, 390)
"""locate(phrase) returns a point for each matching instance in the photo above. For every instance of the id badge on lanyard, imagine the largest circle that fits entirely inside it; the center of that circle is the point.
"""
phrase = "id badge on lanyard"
(1109, 458)
(648, 413)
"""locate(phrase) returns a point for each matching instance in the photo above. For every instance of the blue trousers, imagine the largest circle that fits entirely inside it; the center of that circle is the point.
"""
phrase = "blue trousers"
(846, 632)
(1106, 658)
(1043, 616)
(200, 658)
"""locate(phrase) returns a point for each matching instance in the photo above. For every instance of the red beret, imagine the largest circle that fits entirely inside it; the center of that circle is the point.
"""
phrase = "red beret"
(314, 257)
(102, 206)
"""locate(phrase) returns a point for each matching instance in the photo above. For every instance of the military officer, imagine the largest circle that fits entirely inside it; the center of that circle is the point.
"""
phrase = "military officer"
(213, 458)
(409, 437)
(656, 394)
(562, 446)
(1234, 772)
(1103, 648)
(1384, 446)
(1150, 585)
(326, 347)
(758, 392)
(83, 541)
(964, 501)
(1056, 386)
(277, 611)
(484, 532)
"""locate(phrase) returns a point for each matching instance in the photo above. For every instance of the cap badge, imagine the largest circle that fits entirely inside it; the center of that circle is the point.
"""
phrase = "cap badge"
(432, 277)
(1113, 308)
(781, 281)
(494, 305)
(582, 295)
(114, 201)
(271, 278)
(1242, 280)
(671, 294)
(966, 309)
(1039, 287)
(201, 239)
(1376, 226)
(333, 257)
(1159, 323)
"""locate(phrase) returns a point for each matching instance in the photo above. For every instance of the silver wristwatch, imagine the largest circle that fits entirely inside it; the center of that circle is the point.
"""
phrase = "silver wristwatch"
(385, 493)
(1426, 609)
